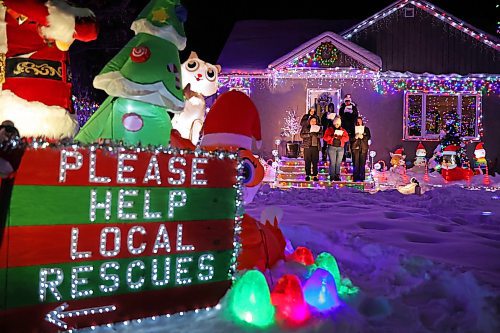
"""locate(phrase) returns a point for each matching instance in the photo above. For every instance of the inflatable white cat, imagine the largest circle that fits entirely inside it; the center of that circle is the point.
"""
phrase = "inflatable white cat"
(202, 80)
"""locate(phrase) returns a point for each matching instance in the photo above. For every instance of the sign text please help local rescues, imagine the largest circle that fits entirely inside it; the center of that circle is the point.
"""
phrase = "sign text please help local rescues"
(96, 237)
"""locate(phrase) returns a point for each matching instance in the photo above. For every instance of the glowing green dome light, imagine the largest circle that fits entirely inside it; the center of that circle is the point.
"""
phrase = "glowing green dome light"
(250, 300)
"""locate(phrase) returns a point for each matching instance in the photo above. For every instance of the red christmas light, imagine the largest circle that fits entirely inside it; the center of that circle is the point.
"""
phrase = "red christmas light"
(288, 298)
(302, 255)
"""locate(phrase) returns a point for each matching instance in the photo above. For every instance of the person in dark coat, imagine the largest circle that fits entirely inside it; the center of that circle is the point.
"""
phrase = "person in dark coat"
(311, 134)
(310, 114)
(359, 147)
(326, 121)
(348, 113)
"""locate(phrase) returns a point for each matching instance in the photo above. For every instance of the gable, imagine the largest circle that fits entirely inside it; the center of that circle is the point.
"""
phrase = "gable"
(429, 40)
(325, 55)
(328, 51)
(410, 6)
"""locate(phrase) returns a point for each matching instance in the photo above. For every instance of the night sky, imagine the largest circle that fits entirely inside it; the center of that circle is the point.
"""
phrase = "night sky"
(210, 22)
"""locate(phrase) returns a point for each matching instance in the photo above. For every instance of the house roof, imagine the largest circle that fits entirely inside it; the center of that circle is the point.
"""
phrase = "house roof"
(254, 44)
(458, 24)
(367, 58)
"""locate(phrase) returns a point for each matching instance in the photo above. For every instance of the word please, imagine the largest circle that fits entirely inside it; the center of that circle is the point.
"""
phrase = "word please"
(125, 173)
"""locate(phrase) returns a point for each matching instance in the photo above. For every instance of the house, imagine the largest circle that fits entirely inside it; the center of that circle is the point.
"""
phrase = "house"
(407, 67)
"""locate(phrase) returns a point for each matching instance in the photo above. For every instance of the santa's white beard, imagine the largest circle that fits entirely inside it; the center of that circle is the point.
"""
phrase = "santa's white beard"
(35, 119)
(480, 154)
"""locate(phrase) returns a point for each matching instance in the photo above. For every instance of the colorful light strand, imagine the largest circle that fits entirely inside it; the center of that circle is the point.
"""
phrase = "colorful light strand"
(436, 12)
(487, 86)
(382, 82)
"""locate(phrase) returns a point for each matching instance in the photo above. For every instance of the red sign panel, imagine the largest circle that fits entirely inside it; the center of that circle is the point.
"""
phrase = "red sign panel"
(95, 236)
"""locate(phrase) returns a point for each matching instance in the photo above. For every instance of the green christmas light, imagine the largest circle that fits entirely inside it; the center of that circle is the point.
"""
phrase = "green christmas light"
(250, 300)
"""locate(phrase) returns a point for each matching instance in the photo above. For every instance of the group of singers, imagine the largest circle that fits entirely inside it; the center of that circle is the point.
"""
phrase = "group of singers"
(334, 134)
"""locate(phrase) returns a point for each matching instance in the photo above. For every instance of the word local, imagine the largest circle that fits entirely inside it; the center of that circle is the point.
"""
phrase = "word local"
(152, 265)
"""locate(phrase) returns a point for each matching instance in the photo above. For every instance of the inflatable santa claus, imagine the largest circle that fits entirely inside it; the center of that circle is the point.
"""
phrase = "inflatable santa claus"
(449, 168)
(35, 88)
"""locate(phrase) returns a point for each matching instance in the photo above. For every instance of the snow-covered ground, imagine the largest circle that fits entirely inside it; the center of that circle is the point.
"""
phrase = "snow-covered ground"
(428, 263)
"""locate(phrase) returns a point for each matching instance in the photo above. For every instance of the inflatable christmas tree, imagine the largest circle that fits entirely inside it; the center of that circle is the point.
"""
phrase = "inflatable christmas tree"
(143, 81)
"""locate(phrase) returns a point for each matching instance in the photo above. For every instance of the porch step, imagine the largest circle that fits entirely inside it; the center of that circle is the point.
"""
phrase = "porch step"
(302, 176)
(324, 184)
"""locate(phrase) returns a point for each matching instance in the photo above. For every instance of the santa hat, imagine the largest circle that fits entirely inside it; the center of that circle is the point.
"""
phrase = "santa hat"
(85, 29)
(399, 151)
(232, 122)
(480, 151)
(450, 150)
(479, 146)
(421, 150)
(66, 23)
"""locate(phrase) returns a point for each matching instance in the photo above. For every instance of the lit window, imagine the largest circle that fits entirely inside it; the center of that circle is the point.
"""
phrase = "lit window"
(425, 114)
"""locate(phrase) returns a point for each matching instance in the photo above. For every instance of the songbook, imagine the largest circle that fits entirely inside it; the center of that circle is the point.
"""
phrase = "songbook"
(315, 128)
(339, 132)
(359, 129)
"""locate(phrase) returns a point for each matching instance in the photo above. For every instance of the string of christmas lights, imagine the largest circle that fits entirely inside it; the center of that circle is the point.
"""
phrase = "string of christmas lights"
(487, 86)
(382, 82)
(439, 13)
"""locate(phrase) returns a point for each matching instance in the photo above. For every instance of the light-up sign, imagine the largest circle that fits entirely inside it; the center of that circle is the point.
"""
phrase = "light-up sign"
(95, 236)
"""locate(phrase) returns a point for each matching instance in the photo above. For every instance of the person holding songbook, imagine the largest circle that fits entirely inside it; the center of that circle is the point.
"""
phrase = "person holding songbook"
(336, 137)
(311, 134)
(360, 149)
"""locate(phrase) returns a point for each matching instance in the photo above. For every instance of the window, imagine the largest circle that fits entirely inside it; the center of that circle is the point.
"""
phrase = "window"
(425, 114)
(409, 12)
(320, 98)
